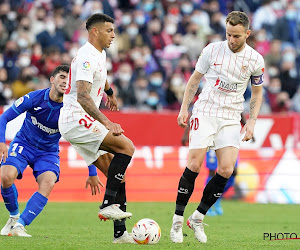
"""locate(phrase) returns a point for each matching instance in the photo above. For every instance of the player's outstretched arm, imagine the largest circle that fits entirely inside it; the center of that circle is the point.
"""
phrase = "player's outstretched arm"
(189, 93)
(255, 103)
(7, 116)
(87, 103)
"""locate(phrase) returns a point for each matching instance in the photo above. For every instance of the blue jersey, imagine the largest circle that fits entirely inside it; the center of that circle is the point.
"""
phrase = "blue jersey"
(40, 127)
(212, 161)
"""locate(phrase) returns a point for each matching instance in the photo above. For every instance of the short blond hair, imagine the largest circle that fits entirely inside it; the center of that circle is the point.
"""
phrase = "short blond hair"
(238, 17)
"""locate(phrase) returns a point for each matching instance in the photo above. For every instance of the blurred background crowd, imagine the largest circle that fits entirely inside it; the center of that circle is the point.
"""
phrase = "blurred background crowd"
(156, 47)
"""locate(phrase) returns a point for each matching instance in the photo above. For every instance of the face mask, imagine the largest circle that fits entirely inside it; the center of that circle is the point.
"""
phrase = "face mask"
(132, 31)
(22, 43)
(73, 52)
(260, 37)
(152, 101)
(140, 20)
(50, 27)
(135, 55)
(148, 7)
(156, 81)
(291, 15)
(187, 8)
(7, 93)
(171, 29)
(276, 5)
(12, 15)
(24, 61)
(196, 20)
(147, 57)
(273, 71)
(125, 77)
(176, 81)
(274, 90)
(82, 40)
(126, 20)
(289, 57)
(297, 4)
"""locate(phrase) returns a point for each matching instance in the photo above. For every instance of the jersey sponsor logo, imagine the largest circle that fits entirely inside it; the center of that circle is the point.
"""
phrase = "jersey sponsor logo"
(224, 86)
(42, 127)
(37, 108)
(86, 65)
(119, 176)
(19, 101)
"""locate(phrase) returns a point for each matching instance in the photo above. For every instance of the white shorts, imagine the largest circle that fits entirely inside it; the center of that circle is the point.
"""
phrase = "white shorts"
(213, 132)
(85, 137)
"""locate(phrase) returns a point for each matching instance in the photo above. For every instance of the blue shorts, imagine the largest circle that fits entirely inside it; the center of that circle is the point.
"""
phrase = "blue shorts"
(21, 154)
(212, 162)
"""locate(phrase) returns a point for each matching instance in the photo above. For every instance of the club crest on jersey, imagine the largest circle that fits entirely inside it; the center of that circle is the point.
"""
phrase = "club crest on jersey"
(19, 101)
(96, 130)
(14, 154)
(225, 86)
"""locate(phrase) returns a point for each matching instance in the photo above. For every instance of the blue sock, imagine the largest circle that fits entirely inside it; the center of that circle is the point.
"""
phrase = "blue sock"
(229, 183)
(34, 206)
(10, 197)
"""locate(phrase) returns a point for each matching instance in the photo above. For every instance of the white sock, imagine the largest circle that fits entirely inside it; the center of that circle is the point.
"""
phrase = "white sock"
(197, 215)
(15, 216)
(177, 218)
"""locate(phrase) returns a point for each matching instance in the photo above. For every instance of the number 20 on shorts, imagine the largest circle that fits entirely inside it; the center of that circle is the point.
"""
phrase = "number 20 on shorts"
(194, 124)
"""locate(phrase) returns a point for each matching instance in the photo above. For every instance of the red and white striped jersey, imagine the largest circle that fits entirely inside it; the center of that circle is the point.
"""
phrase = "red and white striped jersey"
(89, 64)
(227, 75)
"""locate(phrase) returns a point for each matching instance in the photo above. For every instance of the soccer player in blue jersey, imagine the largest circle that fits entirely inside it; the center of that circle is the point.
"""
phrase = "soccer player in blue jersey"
(36, 145)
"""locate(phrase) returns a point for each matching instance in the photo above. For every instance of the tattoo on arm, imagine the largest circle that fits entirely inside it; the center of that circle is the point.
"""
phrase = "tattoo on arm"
(87, 103)
(252, 106)
(191, 93)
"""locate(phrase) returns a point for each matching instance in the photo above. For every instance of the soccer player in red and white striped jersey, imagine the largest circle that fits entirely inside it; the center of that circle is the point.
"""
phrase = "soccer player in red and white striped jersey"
(228, 67)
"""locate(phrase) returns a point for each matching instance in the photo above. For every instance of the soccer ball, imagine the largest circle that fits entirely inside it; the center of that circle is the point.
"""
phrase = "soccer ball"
(146, 231)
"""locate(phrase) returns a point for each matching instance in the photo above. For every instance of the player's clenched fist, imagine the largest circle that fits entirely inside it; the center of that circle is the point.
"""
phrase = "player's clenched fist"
(181, 119)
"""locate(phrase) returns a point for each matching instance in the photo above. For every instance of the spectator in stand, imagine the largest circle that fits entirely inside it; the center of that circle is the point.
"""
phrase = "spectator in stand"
(53, 35)
(288, 72)
(262, 44)
(5, 90)
(142, 93)
(3, 36)
(130, 37)
(72, 21)
(192, 41)
(24, 84)
(10, 57)
(125, 89)
(264, 17)
(296, 101)
(287, 28)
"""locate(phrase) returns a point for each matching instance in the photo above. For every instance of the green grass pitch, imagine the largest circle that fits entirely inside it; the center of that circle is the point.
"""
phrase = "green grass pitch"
(76, 226)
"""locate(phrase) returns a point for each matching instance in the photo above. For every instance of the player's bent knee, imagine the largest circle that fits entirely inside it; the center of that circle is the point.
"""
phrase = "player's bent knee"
(225, 172)
(8, 178)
